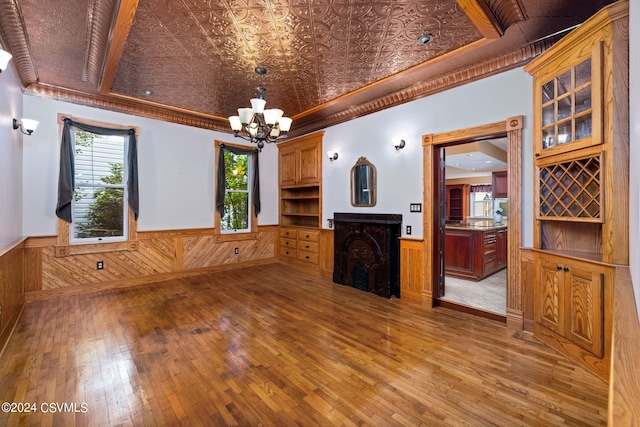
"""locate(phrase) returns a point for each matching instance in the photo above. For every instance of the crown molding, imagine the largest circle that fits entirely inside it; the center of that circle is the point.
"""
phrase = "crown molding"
(344, 110)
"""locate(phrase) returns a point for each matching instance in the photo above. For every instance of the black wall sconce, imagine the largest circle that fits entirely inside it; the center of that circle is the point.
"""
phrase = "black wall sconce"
(333, 155)
(26, 126)
(399, 144)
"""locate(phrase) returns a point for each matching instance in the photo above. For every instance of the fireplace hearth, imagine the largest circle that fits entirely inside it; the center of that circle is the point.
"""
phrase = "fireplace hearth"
(367, 252)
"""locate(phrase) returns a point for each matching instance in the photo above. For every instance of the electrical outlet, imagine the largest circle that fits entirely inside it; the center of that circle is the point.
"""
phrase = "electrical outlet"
(236, 251)
(100, 265)
(408, 229)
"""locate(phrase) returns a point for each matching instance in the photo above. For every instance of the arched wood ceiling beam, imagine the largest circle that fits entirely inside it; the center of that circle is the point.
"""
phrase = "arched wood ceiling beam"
(119, 35)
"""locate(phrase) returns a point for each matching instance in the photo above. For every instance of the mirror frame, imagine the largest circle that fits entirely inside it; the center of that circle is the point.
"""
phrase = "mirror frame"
(362, 161)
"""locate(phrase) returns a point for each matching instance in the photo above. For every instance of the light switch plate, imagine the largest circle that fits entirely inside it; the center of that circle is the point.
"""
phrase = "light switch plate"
(415, 207)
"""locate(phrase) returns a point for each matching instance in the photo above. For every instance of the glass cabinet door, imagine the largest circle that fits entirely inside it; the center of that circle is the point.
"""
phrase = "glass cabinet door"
(569, 116)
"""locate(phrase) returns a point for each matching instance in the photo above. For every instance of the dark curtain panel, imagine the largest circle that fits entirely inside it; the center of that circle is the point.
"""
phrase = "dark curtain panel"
(66, 181)
(221, 179)
(481, 188)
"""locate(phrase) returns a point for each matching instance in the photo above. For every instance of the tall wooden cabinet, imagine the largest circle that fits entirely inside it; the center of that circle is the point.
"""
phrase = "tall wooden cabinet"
(581, 146)
(300, 181)
(457, 202)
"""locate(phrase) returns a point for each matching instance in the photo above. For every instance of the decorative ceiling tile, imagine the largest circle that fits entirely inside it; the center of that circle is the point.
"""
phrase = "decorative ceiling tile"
(313, 51)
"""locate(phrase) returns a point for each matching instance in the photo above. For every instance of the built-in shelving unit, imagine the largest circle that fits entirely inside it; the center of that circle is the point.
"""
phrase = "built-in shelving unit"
(581, 144)
(457, 202)
(300, 165)
(301, 181)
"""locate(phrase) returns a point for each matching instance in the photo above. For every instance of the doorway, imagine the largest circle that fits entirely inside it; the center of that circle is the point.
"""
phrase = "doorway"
(476, 238)
(435, 219)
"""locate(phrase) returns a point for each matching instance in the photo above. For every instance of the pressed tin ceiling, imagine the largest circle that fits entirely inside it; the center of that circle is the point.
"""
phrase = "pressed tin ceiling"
(327, 61)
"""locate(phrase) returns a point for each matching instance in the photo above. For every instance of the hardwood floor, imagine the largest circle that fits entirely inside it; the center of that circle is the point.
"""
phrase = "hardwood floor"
(270, 345)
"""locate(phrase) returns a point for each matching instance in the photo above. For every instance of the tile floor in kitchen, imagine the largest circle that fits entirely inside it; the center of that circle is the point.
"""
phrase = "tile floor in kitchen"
(489, 294)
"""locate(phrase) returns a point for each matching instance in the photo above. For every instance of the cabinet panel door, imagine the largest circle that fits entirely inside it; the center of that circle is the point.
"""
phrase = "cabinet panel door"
(585, 309)
(310, 169)
(288, 168)
(499, 184)
(550, 296)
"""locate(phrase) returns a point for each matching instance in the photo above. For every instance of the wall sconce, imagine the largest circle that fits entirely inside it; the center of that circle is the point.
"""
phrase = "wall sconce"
(26, 126)
(399, 144)
(5, 57)
(332, 155)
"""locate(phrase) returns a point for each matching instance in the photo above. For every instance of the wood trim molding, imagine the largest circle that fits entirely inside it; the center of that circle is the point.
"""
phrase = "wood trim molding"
(345, 108)
(423, 87)
(5, 250)
(512, 128)
(132, 106)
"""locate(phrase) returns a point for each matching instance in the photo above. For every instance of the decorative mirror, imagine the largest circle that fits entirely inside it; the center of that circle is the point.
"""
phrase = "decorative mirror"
(363, 183)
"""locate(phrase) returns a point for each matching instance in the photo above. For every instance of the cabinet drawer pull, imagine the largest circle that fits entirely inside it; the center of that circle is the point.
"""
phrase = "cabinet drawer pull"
(566, 269)
(558, 267)
(307, 257)
(308, 236)
(307, 246)
(286, 243)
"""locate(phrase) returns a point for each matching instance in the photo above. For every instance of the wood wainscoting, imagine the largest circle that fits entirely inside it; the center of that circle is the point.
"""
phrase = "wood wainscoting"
(411, 268)
(11, 288)
(156, 255)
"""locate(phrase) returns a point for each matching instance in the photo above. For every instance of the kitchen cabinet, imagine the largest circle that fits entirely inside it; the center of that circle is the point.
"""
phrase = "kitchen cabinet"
(473, 252)
(499, 185)
(457, 202)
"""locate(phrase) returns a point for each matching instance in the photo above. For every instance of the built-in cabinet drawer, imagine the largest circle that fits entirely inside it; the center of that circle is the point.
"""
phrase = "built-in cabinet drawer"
(490, 252)
(309, 236)
(301, 244)
(288, 252)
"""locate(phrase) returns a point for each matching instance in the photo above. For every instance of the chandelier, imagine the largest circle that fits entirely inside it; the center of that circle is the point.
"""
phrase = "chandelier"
(257, 124)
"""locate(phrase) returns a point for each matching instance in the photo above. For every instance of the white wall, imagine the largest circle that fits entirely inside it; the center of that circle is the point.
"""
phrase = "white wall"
(400, 172)
(634, 157)
(10, 159)
(175, 164)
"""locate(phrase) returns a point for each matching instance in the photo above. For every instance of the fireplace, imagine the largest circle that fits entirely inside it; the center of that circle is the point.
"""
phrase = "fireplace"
(366, 252)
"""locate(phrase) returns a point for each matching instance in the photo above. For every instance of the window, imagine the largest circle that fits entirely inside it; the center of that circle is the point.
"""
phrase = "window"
(99, 207)
(481, 204)
(237, 192)
(98, 198)
(237, 211)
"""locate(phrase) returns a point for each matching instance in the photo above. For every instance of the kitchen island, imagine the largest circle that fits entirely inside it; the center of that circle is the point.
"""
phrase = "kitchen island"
(475, 250)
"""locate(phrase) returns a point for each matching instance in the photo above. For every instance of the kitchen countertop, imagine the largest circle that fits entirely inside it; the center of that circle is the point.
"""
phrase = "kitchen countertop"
(476, 225)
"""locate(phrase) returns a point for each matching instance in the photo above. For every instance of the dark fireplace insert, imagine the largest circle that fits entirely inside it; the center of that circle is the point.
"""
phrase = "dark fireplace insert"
(367, 252)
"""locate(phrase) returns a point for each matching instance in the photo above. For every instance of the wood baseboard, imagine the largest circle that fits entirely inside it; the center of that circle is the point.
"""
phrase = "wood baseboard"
(9, 328)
